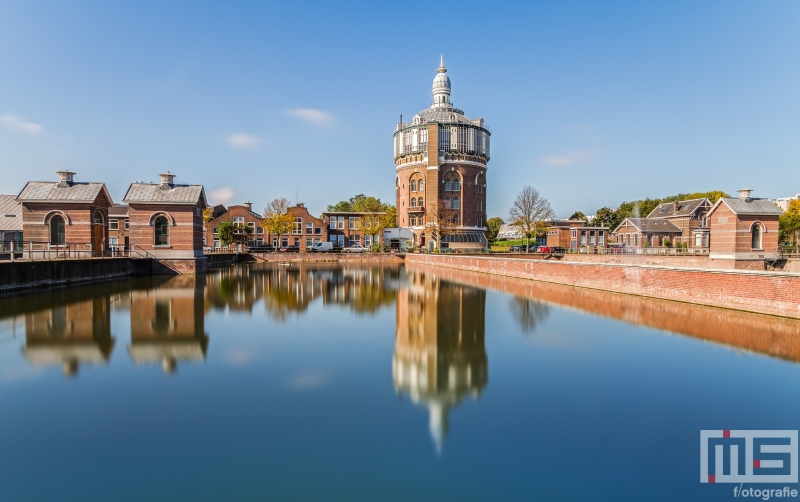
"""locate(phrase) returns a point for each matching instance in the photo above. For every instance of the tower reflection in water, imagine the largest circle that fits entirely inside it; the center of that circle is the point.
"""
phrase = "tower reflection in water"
(439, 356)
(70, 335)
(167, 323)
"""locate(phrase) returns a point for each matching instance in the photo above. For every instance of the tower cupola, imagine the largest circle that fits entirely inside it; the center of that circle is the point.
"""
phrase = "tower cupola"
(441, 87)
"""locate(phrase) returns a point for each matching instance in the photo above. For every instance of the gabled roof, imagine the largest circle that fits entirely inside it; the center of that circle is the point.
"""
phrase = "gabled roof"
(118, 210)
(226, 211)
(174, 194)
(757, 207)
(74, 192)
(685, 208)
(651, 225)
(10, 213)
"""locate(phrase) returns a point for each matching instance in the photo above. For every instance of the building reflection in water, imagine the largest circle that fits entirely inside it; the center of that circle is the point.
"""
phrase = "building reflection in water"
(528, 313)
(167, 323)
(70, 335)
(439, 355)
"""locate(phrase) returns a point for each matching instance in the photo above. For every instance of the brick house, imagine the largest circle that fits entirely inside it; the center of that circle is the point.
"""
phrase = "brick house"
(242, 216)
(575, 234)
(10, 223)
(211, 212)
(344, 229)
(118, 227)
(646, 232)
(306, 230)
(66, 215)
(744, 230)
(690, 217)
(166, 222)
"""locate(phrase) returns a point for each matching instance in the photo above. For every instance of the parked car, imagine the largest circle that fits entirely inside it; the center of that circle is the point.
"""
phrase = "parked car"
(355, 248)
(321, 247)
(543, 249)
(515, 249)
(289, 249)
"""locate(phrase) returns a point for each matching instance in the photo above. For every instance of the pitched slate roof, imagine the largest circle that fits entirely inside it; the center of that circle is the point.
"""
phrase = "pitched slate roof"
(175, 194)
(118, 210)
(651, 225)
(685, 208)
(40, 191)
(10, 213)
(760, 207)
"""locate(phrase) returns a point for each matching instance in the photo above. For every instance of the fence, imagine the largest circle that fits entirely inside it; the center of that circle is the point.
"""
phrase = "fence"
(32, 250)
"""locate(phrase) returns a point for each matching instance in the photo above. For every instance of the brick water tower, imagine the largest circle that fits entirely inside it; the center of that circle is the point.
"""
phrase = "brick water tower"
(440, 160)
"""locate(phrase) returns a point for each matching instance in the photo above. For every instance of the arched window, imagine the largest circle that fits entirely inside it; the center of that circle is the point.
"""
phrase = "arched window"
(456, 184)
(480, 205)
(161, 230)
(413, 202)
(456, 219)
(447, 184)
(456, 202)
(420, 202)
(57, 230)
(98, 218)
(755, 236)
(421, 185)
(447, 201)
(413, 185)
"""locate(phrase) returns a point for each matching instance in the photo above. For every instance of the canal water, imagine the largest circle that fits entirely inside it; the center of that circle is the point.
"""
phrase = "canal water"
(309, 382)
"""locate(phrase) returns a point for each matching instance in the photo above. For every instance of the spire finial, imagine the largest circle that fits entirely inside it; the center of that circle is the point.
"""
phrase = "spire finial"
(441, 68)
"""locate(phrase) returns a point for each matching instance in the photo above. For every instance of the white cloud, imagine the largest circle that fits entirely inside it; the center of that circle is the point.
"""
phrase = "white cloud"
(567, 160)
(242, 140)
(311, 115)
(19, 124)
(221, 195)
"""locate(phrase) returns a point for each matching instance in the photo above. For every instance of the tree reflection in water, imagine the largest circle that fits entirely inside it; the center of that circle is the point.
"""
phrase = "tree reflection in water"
(528, 313)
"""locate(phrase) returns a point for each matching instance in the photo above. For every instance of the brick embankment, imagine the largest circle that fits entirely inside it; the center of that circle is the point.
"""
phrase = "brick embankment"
(776, 293)
(35, 274)
(330, 257)
(772, 336)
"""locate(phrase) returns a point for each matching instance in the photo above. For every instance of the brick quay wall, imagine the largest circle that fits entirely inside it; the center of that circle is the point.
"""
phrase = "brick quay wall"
(775, 293)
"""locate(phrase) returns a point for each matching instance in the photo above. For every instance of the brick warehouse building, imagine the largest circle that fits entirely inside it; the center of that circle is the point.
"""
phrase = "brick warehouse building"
(66, 215)
(242, 216)
(441, 159)
(166, 221)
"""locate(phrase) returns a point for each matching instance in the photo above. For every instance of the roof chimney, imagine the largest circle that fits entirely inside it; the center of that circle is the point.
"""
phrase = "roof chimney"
(166, 180)
(744, 194)
(65, 178)
(248, 205)
(674, 206)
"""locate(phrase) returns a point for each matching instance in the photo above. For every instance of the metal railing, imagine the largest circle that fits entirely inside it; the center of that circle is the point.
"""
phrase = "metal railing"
(33, 250)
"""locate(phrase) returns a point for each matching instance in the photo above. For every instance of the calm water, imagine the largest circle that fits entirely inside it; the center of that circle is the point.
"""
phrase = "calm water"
(357, 383)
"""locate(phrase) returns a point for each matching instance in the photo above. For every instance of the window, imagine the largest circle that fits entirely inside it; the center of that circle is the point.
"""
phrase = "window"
(126, 224)
(238, 220)
(421, 185)
(57, 230)
(308, 242)
(479, 222)
(446, 201)
(755, 236)
(251, 225)
(601, 238)
(333, 222)
(352, 223)
(480, 205)
(367, 241)
(447, 184)
(214, 230)
(309, 228)
(297, 226)
(456, 184)
(591, 237)
(420, 202)
(113, 224)
(260, 231)
(412, 221)
(98, 218)
(341, 222)
(456, 202)
(317, 231)
(216, 243)
(413, 202)
(284, 242)
(161, 231)
(113, 242)
(413, 185)
(698, 240)
(573, 233)
(583, 237)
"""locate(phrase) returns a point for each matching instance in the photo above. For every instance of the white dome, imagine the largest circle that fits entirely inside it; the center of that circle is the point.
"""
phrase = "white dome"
(441, 81)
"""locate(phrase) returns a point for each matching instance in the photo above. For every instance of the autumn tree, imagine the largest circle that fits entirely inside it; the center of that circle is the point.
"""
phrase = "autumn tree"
(441, 221)
(531, 213)
(277, 219)
(789, 224)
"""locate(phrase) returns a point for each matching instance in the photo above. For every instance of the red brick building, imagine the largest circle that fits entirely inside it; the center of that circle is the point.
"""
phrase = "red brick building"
(575, 235)
(166, 221)
(118, 228)
(306, 230)
(690, 217)
(344, 229)
(744, 230)
(244, 219)
(66, 216)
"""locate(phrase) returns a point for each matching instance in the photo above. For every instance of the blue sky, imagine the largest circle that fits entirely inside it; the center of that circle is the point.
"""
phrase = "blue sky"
(592, 103)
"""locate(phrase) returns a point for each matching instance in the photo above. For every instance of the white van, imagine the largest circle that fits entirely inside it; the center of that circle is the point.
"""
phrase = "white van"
(321, 247)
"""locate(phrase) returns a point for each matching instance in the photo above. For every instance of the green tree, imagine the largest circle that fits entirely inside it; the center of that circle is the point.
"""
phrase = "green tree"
(578, 215)
(493, 227)
(226, 231)
(605, 217)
